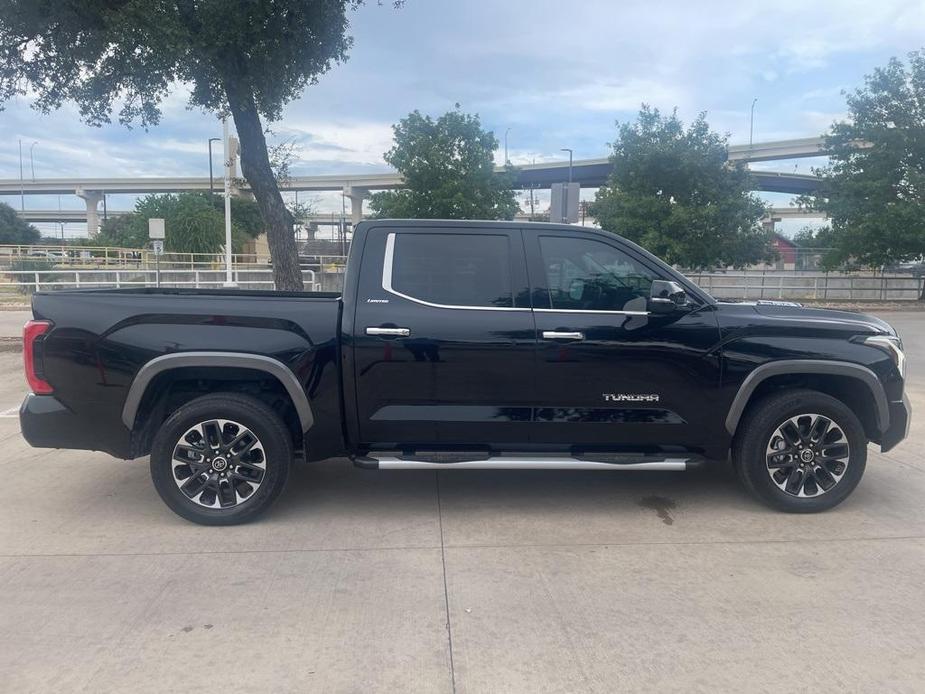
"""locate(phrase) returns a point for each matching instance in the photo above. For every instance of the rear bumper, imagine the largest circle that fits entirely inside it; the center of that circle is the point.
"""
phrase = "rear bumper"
(46, 422)
(900, 416)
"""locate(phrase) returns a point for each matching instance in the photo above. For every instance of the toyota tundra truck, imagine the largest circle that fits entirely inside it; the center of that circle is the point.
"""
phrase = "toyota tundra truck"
(464, 345)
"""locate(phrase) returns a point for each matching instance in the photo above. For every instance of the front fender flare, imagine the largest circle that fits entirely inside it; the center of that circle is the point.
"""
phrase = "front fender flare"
(809, 366)
(177, 360)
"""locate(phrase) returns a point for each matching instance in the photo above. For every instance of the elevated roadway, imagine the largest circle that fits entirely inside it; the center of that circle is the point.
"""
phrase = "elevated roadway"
(590, 173)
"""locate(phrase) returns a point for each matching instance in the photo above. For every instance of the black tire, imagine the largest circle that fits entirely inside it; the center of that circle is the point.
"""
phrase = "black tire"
(757, 461)
(243, 413)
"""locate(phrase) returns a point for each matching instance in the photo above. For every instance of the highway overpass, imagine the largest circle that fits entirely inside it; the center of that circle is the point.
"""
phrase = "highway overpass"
(590, 173)
(80, 216)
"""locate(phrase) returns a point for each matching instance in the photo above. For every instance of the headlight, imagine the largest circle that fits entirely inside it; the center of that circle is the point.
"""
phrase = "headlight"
(892, 346)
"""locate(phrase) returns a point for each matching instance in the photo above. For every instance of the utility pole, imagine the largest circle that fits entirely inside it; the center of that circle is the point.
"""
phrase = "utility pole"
(22, 189)
(566, 149)
(532, 201)
(343, 223)
(32, 160)
(229, 278)
(506, 159)
(751, 123)
(211, 185)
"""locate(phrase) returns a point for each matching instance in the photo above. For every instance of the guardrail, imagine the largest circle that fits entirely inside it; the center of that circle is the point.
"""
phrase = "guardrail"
(811, 285)
(30, 281)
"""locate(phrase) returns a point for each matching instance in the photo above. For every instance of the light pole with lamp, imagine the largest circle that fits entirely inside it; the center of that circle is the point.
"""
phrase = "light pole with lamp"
(32, 160)
(751, 122)
(22, 189)
(211, 184)
(229, 161)
(570, 153)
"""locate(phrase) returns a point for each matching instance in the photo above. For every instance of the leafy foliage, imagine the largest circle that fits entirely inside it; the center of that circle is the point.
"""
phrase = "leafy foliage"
(249, 57)
(14, 229)
(133, 52)
(673, 191)
(874, 195)
(194, 223)
(449, 171)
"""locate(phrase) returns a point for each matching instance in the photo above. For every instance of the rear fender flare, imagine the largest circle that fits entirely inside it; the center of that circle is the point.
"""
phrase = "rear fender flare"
(179, 360)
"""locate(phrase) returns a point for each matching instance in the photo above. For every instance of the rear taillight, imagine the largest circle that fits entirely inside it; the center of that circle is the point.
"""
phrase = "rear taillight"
(33, 337)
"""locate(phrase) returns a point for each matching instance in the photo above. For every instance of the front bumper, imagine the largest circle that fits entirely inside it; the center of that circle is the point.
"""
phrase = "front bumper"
(900, 417)
(46, 422)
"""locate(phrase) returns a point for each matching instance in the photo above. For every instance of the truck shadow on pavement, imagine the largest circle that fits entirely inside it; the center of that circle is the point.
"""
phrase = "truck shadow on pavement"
(504, 493)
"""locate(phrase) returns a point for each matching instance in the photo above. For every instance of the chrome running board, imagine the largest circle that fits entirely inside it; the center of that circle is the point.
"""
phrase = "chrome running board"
(533, 462)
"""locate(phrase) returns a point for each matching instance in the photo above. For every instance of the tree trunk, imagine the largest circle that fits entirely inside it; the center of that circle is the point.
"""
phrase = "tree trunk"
(255, 165)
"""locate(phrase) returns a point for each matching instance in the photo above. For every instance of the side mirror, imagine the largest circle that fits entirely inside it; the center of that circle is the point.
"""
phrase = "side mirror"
(666, 296)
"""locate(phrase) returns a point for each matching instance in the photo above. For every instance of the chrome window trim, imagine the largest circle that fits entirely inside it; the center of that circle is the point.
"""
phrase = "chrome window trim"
(581, 310)
(387, 285)
(389, 259)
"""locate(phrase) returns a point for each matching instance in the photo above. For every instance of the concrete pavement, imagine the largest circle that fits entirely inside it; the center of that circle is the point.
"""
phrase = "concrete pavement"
(360, 581)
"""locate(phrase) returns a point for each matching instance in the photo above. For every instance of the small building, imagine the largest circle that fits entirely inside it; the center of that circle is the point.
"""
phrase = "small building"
(787, 252)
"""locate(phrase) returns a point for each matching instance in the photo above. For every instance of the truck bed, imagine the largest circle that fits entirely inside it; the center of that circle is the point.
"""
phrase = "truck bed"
(102, 337)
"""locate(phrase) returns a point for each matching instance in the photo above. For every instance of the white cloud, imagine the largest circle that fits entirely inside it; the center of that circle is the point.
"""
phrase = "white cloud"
(558, 75)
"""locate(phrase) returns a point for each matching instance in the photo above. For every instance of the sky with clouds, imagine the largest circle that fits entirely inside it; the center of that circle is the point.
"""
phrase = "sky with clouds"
(557, 74)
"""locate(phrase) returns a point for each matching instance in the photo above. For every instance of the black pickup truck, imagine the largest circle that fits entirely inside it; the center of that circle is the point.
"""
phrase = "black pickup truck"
(490, 345)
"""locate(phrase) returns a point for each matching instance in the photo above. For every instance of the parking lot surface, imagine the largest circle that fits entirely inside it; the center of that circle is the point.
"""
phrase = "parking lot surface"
(467, 581)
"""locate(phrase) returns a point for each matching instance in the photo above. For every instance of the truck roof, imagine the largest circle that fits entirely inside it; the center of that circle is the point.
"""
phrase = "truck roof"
(457, 223)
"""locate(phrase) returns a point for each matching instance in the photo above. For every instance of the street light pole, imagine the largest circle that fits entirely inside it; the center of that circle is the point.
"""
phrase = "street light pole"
(211, 185)
(506, 159)
(229, 278)
(751, 122)
(566, 149)
(32, 160)
(22, 189)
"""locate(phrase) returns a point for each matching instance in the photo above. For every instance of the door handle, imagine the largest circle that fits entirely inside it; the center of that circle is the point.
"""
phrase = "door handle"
(389, 332)
(556, 335)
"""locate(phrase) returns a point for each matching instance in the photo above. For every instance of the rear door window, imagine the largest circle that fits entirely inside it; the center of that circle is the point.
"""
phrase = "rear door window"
(472, 270)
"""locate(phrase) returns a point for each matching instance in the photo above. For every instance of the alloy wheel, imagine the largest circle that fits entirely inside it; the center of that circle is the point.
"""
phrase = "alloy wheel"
(218, 464)
(807, 455)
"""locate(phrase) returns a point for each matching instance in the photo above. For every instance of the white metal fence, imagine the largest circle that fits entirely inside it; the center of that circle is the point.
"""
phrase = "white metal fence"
(810, 285)
(31, 281)
(91, 257)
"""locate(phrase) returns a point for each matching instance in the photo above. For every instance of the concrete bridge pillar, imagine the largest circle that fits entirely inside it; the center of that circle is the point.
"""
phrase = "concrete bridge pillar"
(92, 199)
(356, 196)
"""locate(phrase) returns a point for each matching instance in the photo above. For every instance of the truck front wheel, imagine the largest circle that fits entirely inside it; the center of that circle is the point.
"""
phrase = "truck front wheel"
(800, 451)
(221, 459)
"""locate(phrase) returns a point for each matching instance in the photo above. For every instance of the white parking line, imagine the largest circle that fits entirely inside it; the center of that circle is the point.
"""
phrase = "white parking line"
(11, 412)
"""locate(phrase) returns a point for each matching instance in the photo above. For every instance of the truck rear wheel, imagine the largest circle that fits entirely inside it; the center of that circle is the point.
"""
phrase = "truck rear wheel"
(221, 459)
(800, 451)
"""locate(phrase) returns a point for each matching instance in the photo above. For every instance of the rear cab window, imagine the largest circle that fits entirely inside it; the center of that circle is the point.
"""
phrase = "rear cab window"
(454, 270)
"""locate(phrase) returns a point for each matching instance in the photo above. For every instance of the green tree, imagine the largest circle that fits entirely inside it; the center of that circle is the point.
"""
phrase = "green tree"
(673, 191)
(124, 231)
(245, 215)
(194, 223)
(14, 229)
(873, 190)
(249, 57)
(449, 171)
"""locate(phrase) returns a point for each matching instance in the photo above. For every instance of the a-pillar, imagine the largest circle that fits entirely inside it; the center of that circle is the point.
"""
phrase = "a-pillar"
(92, 198)
(356, 196)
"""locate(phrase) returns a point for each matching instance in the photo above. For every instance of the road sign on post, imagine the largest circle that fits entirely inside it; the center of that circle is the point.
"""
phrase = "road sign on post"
(156, 232)
(563, 206)
(156, 229)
